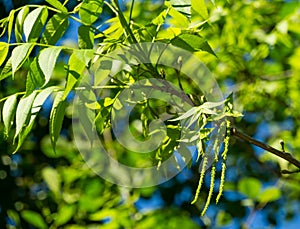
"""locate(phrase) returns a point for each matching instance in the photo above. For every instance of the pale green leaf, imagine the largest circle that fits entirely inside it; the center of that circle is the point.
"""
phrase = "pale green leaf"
(34, 23)
(90, 11)
(47, 60)
(3, 51)
(85, 37)
(57, 4)
(23, 112)
(55, 29)
(250, 187)
(19, 55)
(52, 179)
(20, 22)
(178, 19)
(34, 218)
(269, 195)
(56, 117)
(8, 112)
(183, 6)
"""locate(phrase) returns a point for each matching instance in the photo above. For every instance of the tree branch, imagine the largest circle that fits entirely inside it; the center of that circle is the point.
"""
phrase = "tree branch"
(286, 156)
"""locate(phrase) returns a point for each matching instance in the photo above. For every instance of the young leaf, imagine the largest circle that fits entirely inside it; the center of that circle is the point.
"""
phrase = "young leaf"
(3, 51)
(90, 11)
(8, 112)
(55, 29)
(23, 112)
(85, 37)
(34, 24)
(57, 4)
(34, 218)
(47, 60)
(19, 55)
(35, 77)
(19, 23)
(56, 117)
(192, 43)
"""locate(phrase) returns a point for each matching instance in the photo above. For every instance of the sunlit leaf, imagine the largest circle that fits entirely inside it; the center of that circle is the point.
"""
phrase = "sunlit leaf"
(34, 218)
(65, 213)
(90, 11)
(56, 117)
(8, 112)
(47, 60)
(57, 4)
(199, 8)
(34, 23)
(3, 51)
(19, 55)
(85, 37)
(52, 179)
(20, 22)
(35, 77)
(10, 23)
(23, 111)
(55, 29)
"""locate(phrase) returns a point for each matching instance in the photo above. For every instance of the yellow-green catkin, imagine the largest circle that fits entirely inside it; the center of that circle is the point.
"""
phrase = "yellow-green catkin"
(211, 189)
(224, 157)
(202, 173)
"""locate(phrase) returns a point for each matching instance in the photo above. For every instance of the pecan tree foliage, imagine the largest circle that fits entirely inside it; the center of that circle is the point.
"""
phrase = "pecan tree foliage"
(34, 52)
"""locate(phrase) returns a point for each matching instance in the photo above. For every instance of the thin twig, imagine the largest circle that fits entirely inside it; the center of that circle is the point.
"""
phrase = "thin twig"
(288, 157)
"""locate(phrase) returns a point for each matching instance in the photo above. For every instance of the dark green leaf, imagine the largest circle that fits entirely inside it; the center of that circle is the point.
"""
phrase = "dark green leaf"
(85, 37)
(34, 23)
(90, 11)
(10, 23)
(55, 29)
(35, 77)
(7, 70)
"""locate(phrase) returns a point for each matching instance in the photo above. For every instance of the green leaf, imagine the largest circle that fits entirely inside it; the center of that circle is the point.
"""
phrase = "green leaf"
(10, 23)
(192, 43)
(34, 23)
(34, 218)
(269, 195)
(3, 51)
(90, 11)
(178, 19)
(199, 8)
(65, 213)
(250, 187)
(52, 179)
(55, 29)
(85, 37)
(20, 22)
(35, 77)
(77, 63)
(47, 60)
(8, 112)
(183, 6)
(7, 70)
(56, 117)
(23, 112)
(36, 107)
(19, 55)
(57, 4)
